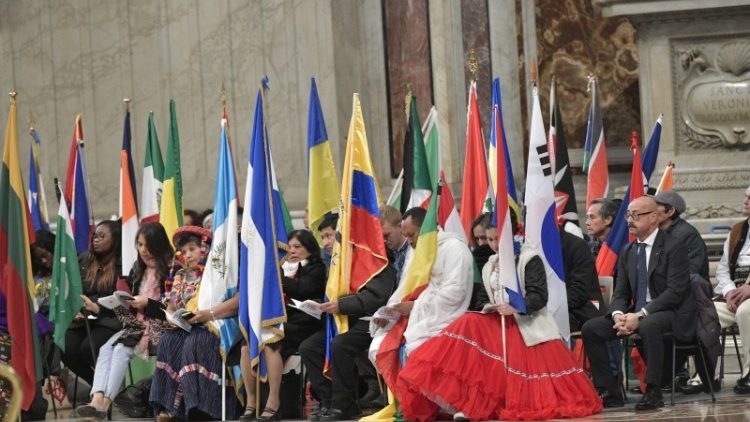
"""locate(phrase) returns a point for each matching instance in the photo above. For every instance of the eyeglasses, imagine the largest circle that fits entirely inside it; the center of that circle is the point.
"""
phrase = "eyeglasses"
(637, 215)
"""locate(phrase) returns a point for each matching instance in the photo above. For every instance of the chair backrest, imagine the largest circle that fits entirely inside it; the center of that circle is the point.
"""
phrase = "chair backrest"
(605, 285)
(16, 394)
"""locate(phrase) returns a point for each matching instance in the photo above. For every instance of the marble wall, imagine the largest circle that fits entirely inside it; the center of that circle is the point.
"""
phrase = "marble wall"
(574, 41)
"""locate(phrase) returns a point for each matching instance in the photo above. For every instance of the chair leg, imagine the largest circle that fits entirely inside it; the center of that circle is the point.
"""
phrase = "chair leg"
(709, 378)
(674, 368)
(739, 355)
(722, 355)
(626, 359)
(75, 391)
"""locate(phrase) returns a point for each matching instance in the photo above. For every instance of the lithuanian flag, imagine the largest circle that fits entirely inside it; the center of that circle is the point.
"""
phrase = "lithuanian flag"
(171, 200)
(17, 281)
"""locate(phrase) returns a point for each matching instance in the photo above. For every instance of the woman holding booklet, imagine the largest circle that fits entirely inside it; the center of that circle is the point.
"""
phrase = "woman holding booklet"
(142, 319)
(188, 355)
(304, 279)
(100, 269)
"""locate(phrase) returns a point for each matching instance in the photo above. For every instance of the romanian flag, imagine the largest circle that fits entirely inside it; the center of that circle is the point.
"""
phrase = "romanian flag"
(497, 137)
(594, 151)
(37, 199)
(76, 188)
(474, 193)
(17, 281)
(360, 254)
(416, 186)
(261, 311)
(667, 182)
(127, 204)
(618, 235)
(170, 215)
(323, 184)
(153, 175)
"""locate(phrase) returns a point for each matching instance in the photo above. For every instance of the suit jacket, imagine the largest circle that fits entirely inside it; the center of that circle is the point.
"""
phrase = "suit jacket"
(668, 284)
(581, 281)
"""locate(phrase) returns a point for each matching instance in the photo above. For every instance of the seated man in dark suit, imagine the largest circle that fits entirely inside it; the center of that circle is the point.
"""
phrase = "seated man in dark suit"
(581, 281)
(652, 297)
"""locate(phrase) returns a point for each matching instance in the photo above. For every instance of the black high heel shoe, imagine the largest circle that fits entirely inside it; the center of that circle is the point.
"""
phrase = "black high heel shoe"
(249, 415)
(269, 415)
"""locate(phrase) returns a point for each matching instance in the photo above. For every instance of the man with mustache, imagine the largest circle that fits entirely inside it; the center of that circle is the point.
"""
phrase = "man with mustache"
(652, 297)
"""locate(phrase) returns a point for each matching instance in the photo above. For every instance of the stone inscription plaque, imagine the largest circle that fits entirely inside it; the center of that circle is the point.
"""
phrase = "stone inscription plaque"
(714, 95)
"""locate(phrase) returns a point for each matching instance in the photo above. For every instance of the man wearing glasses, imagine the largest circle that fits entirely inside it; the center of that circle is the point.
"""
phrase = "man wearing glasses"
(652, 297)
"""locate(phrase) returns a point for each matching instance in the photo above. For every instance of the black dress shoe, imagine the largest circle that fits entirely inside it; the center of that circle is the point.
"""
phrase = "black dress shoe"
(316, 414)
(652, 400)
(337, 415)
(743, 385)
(611, 399)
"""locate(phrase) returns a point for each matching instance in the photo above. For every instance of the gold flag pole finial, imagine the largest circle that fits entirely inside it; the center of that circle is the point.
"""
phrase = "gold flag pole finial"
(13, 96)
(407, 100)
(473, 64)
(534, 72)
(32, 121)
(127, 104)
(223, 94)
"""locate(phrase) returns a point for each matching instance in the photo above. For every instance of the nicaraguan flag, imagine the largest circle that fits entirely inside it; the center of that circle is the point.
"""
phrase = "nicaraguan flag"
(262, 311)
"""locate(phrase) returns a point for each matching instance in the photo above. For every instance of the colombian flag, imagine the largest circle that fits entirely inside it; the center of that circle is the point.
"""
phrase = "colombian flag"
(323, 184)
(359, 254)
(17, 281)
(170, 215)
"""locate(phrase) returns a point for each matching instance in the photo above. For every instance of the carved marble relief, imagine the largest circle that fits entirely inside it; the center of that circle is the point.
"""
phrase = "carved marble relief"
(713, 93)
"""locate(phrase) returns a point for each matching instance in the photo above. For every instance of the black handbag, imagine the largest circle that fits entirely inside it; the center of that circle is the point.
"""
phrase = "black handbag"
(133, 400)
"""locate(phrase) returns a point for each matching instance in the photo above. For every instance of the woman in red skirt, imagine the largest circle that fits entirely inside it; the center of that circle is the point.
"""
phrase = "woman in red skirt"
(464, 370)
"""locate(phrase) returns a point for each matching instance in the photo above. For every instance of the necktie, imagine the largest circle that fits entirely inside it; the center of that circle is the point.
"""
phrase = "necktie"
(641, 274)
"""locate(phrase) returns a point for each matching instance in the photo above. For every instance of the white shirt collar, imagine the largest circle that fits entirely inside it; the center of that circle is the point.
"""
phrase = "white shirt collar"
(651, 238)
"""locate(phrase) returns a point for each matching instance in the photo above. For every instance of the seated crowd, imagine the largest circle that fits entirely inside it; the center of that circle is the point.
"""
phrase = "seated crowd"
(437, 350)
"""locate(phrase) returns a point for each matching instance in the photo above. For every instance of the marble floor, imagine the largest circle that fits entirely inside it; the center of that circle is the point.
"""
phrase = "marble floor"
(729, 407)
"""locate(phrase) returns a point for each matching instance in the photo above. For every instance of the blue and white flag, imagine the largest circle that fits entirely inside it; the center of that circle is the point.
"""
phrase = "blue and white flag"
(541, 227)
(264, 239)
(220, 275)
(37, 200)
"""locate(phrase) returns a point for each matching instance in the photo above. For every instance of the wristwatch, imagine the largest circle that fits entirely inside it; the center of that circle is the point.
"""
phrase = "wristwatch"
(641, 315)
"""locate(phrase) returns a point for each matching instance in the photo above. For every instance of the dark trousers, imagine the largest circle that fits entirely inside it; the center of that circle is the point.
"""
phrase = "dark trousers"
(340, 391)
(77, 354)
(598, 331)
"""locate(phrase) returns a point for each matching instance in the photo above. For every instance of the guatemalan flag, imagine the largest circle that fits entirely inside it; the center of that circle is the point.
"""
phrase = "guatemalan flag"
(76, 187)
(37, 200)
(262, 311)
(541, 225)
(219, 281)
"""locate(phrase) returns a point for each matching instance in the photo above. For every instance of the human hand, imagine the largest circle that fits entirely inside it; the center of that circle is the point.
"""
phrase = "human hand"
(505, 309)
(200, 317)
(139, 302)
(90, 305)
(629, 325)
(380, 322)
(404, 308)
(331, 307)
(490, 308)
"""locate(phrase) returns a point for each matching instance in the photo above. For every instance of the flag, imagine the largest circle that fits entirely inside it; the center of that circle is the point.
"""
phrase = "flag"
(447, 215)
(76, 188)
(594, 151)
(418, 274)
(219, 280)
(262, 311)
(66, 283)
(637, 180)
(565, 195)
(497, 137)
(541, 227)
(359, 253)
(153, 175)
(501, 219)
(323, 184)
(416, 186)
(17, 281)
(128, 209)
(170, 215)
(37, 199)
(607, 258)
(394, 199)
(666, 182)
(476, 183)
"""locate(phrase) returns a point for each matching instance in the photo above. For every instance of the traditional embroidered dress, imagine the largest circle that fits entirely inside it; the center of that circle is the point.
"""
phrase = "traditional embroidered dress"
(464, 368)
